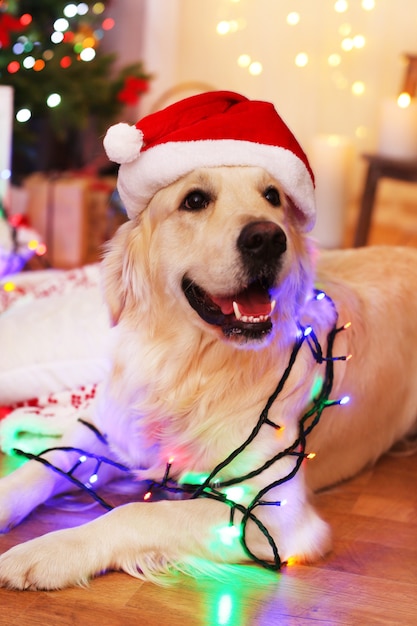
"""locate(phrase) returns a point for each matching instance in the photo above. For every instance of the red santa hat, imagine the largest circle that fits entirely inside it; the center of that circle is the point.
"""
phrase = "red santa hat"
(218, 128)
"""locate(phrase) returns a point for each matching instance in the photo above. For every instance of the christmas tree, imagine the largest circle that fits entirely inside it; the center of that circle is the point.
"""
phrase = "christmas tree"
(50, 54)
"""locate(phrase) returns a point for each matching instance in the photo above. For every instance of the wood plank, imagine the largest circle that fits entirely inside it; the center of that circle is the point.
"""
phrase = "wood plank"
(370, 577)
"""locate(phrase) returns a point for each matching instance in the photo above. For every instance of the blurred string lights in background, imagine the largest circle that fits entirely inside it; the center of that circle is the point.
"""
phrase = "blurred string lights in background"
(82, 37)
(342, 59)
(345, 41)
(348, 40)
(64, 82)
(18, 244)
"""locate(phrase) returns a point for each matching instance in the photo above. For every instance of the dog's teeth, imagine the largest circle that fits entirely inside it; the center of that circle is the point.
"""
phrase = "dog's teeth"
(251, 319)
(238, 314)
(273, 303)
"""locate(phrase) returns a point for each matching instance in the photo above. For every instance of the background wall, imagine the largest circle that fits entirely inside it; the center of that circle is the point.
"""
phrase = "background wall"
(316, 98)
(180, 43)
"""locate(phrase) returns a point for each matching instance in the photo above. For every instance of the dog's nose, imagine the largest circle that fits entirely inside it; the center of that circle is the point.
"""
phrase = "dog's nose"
(262, 240)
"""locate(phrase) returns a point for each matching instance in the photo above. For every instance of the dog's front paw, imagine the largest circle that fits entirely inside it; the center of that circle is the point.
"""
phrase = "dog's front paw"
(11, 514)
(21, 492)
(54, 561)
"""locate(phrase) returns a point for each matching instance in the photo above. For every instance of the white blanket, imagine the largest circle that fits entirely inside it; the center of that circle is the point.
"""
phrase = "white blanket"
(54, 341)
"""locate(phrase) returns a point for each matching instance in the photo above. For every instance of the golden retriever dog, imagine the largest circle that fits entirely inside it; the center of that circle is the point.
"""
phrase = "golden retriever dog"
(231, 366)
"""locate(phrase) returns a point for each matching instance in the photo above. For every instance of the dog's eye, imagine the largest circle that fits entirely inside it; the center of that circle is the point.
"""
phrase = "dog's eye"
(195, 201)
(273, 197)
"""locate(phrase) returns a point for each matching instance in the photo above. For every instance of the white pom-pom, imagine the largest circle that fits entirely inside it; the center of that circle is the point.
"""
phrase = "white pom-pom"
(123, 143)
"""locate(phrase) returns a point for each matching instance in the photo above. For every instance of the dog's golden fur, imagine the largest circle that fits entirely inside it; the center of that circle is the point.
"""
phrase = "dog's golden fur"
(182, 389)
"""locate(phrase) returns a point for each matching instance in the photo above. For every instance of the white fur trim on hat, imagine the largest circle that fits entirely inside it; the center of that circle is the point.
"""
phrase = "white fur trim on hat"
(123, 143)
(163, 164)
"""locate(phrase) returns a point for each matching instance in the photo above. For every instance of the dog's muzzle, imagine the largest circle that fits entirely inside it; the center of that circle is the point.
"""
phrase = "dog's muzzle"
(247, 313)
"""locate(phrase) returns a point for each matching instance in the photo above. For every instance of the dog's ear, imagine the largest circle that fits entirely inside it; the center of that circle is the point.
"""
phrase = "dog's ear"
(112, 272)
(126, 270)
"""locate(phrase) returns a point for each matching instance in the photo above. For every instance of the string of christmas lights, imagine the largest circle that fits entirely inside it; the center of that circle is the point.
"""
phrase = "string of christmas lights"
(230, 491)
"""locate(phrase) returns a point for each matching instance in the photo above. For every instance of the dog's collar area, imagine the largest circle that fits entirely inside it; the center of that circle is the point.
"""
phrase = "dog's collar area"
(246, 314)
(212, 486)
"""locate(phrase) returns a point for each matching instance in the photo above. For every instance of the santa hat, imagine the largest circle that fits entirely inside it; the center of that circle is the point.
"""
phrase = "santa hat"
(217, 128)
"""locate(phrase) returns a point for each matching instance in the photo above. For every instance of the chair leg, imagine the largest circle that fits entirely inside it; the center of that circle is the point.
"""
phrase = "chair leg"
(366, 208)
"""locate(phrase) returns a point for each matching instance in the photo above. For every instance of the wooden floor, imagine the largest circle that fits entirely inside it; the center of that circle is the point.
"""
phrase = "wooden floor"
(370, 577)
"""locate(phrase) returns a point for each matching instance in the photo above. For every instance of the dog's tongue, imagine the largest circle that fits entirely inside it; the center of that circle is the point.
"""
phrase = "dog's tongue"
(253, 301)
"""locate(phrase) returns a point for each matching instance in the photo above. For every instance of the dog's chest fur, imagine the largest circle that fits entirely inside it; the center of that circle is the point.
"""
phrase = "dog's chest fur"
(198, 402)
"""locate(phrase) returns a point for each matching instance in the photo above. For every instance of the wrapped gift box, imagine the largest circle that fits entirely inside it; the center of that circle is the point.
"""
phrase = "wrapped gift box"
(72, 214)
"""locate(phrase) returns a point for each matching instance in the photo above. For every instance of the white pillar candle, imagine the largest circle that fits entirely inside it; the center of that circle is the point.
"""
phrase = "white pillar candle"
(398, 129)
(330, 158)
(6, 126)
